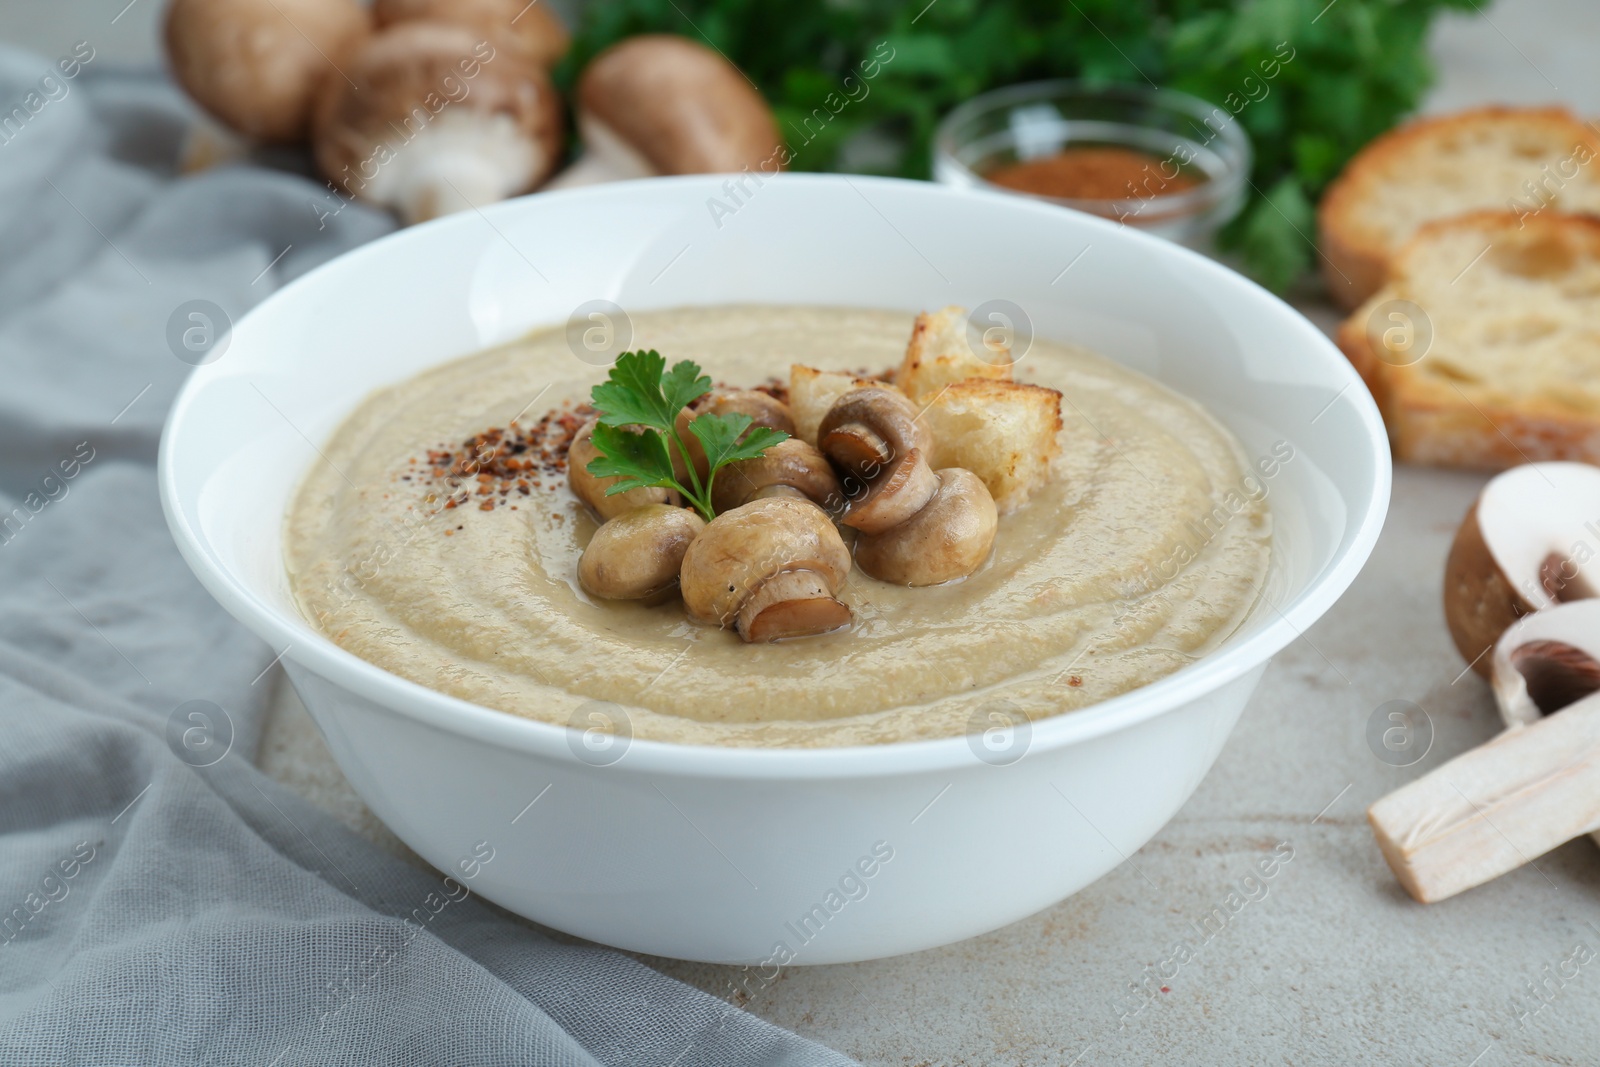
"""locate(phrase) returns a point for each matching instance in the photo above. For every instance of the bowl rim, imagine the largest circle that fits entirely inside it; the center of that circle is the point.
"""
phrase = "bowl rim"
(1160, 207)
(535, 737)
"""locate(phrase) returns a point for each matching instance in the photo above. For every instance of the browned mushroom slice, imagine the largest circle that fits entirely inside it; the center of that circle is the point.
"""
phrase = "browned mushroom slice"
(663, 104)
(396, 134)
(638, 554)
(592, 489)
(788, 468)
(257, 65)
(949, 538)
(769, 569)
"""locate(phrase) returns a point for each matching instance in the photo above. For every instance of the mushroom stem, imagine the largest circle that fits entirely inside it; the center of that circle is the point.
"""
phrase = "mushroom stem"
(606, 158)
(791, 604)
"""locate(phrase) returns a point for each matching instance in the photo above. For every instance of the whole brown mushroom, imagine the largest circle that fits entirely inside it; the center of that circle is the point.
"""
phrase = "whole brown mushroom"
(948, 538)
(591, 489)
(763, 409)
(788, 468)
(769, 569)
(259, 65)
(433, 122)
(873, 435)
(662, 104)
(639, 554)
(531, 28)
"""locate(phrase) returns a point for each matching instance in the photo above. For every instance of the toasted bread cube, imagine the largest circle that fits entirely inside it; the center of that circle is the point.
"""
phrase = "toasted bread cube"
(812, 392)
(938, 354)
(1004, 432)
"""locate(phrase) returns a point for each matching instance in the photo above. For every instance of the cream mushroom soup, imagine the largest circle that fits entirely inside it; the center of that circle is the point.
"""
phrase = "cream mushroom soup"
(1145, 549)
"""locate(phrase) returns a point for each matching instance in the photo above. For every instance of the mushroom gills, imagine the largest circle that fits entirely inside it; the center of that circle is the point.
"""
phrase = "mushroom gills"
(791, 604)
(1560, 586)
(1557, 674)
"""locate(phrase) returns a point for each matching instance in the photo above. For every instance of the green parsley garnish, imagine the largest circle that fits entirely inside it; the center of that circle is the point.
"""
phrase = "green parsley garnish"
(639, 405)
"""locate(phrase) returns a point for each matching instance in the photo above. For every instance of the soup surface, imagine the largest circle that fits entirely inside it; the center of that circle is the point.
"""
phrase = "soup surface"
(1146, 550)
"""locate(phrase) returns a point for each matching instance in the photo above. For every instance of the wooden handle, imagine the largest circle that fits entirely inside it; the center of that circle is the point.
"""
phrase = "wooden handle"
(1490, 810)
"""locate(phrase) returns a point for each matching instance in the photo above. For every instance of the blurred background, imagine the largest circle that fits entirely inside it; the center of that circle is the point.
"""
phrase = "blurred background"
(1358, 67)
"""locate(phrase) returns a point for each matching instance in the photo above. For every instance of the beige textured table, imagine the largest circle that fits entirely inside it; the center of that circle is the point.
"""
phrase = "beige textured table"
(1327, 961)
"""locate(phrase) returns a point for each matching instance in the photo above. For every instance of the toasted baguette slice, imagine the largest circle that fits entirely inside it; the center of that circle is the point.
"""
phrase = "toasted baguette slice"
(1522, 160)
(1512, 374)
(812, 392)
(1004, 432)
(938, 354)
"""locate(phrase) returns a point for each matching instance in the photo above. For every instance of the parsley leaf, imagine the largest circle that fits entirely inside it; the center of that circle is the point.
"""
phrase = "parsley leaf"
(639, 458)
(719, 437)
(638, 393)
(637, 432)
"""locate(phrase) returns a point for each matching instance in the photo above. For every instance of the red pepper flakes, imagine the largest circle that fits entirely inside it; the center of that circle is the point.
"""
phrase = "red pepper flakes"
(1074, 681)
(512, 457)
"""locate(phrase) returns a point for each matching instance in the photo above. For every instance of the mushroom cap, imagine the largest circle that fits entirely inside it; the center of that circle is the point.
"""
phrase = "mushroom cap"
(592, 490)
(1546, 660)
(874, 435)
(763, 409)
(436, 115)
(259, 65)
(790, 464)
(639, 553)
(1517, 550)
(740, 550)
(680, 105)
(948, 539)
(866, 429)
(532, 28)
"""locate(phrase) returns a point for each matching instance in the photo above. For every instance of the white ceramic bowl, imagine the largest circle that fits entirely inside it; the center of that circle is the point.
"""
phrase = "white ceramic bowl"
(727, 854)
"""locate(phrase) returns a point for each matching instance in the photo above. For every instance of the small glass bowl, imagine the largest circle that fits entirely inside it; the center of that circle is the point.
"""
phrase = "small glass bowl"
(1037, 119)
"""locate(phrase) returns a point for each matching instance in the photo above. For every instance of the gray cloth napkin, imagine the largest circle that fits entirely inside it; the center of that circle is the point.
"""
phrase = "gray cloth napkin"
(157, 907)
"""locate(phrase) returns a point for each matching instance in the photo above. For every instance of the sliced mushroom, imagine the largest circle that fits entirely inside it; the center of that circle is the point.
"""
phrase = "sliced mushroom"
(431, 122)
(1547, 660)
(770, 569)
(1524, 545)
(533, 29)
(661, 104)
(592, 489)
(762, 408)
(638, 554)
(789, 468)
(948, 538)
(258, 65)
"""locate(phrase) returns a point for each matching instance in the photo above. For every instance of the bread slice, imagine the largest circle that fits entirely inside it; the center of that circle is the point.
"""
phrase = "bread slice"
(812, 392)
(1512, 373)
(1004, 432)
(1523, 160)
(938, 354)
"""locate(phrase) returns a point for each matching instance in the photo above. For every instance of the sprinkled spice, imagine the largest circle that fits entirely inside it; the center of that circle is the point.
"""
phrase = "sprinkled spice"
(492, 465)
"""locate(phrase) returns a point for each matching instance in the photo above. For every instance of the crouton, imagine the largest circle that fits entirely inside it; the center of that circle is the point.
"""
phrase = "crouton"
(1004, 432)
(812, 392)
(938, 354)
